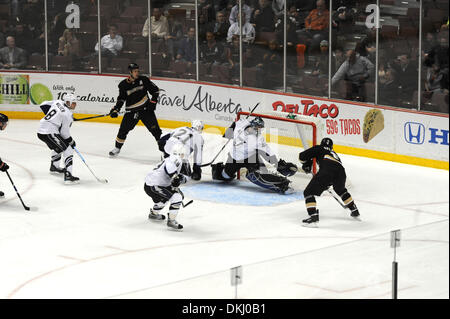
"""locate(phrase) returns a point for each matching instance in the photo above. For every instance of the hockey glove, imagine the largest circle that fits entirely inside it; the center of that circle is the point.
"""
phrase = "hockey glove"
(3, 166)
(197, 172)
(307, 167)
(286, 169)
(114, 113)
(178, 180)
(152, 105)
(70, 141)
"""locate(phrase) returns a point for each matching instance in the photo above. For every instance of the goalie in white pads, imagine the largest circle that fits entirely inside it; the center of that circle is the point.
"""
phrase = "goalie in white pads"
(191, 138)
(249, 148)
(54, 130)
(162, 184)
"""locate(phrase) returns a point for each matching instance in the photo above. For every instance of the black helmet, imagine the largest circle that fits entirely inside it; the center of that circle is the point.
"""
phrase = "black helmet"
(132, 66)
(3, 118)
(257, 122)
(327, 142)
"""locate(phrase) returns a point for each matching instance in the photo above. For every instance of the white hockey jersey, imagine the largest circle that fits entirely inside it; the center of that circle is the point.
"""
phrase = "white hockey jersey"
(58, 120)
(245, 144)
(190, 138)
(162, 175)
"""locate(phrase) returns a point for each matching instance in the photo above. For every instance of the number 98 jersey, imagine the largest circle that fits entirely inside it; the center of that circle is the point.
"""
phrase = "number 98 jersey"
(57, 120)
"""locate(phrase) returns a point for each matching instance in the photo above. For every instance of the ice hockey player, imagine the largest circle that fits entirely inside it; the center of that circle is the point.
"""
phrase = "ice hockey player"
(331, 173)
(3, 166)
(162, 185)
(249, 148)
(133, 92)
(192, 139)
(54, 130)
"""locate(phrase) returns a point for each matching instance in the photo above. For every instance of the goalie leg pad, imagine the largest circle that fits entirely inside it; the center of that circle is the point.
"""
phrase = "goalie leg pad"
(269, 181)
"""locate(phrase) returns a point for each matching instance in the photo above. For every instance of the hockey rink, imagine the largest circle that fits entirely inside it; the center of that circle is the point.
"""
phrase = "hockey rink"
(94, 240)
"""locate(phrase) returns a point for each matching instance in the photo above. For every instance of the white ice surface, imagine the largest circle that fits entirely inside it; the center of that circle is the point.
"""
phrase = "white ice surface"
(94, 241)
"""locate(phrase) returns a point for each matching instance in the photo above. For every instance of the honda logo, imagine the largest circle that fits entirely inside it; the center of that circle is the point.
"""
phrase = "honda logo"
(414, 133)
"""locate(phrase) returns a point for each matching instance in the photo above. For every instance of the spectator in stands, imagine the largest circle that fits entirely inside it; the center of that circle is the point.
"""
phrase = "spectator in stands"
(232, 54)
(248, 31)
(439, 53)
(174, 36)
(278, 7)
(211, 52)
(69, 44)
(428, 43)
(235, 11)
(303, 7)
(338, 57)
(434, 80)
(57, 27)
(187, 50)
(388, 88)
(316, 26)
(159, 24)
(220, 5)
(2, 39)
(112, 43)
(202, 27)
(321, 65)
(24, 38)
(264, 17)
(220, 27)
(12, 57)
(206, 7)
(407, 75)
(343, 18)
(272, 66)
(355, 70)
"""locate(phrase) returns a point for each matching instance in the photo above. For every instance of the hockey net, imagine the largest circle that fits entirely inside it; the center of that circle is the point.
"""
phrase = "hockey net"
(289, 134)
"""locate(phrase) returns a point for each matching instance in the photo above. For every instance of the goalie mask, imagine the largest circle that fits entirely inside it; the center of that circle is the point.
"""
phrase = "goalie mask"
(327, 143)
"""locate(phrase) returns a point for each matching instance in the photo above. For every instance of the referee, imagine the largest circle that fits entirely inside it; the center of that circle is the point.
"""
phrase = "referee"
(133, 92)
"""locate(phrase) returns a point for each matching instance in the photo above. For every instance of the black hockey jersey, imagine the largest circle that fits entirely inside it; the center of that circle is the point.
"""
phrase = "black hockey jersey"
(324, 156)
(134, 93)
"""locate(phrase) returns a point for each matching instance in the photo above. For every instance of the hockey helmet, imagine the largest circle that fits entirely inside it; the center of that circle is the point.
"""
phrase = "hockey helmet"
(132, 66)
(71, 98)
(179, 151)
(3, 121)
(257, 123)
(197, 125)
(327, 143)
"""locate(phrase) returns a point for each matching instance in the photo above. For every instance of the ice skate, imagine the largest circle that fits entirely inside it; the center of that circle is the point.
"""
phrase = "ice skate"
(56, 170)
(172, 223)
(69, 179)
(114, 152)
(312, 221)
(355, 215)
(155, 216)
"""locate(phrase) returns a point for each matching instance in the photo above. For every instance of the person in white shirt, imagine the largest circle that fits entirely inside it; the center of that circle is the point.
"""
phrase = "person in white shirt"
(159, 24)
(54, 130)
(234, 14)
(248, 31)
(162, 185)
(249, 150)
(192, 140)
(112, 43)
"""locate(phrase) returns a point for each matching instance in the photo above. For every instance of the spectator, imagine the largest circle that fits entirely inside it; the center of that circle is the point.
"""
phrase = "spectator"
(439, 53)
(187, 50)
(436, 81)
(248, 31)
(235, 11)
(220, 5)
(338, 58)
(389, 88)
(264, 17)
(303, 8)
(407, 75)
(68, 44)
(159, 24)
(206, 7)
(174, 36)
(211, 52)
(278, 7)
(112, 43)
(24, 38)
(316, 26)
(220, 27)
(232, 54)
(12, 57)
(356, 70)
(343, 19)
(57, 28)
(202, 28)
(321, 65)
(272, 67)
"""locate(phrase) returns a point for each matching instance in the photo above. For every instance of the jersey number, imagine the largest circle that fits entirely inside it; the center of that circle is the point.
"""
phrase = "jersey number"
(180, 133)
(50, 115)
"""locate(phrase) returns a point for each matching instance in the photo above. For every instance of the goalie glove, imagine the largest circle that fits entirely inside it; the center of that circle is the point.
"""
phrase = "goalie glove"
(178, 180)
(307, 167)
(286, 168)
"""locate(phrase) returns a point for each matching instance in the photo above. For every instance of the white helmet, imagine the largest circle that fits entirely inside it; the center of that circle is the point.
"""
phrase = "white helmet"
(197, 125)
(179, 151)
(69, 97)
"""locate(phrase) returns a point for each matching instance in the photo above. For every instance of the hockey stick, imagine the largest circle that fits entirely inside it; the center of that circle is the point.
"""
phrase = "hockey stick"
(187, 204)
(17, 192)
(225, 145)
(97, 116)
(104, 181)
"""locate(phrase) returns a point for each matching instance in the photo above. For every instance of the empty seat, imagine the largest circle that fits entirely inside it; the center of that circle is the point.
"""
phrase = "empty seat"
(36, 62)
(60, 63)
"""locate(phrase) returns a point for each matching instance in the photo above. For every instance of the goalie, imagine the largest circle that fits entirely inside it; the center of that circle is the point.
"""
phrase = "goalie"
(249, 149)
